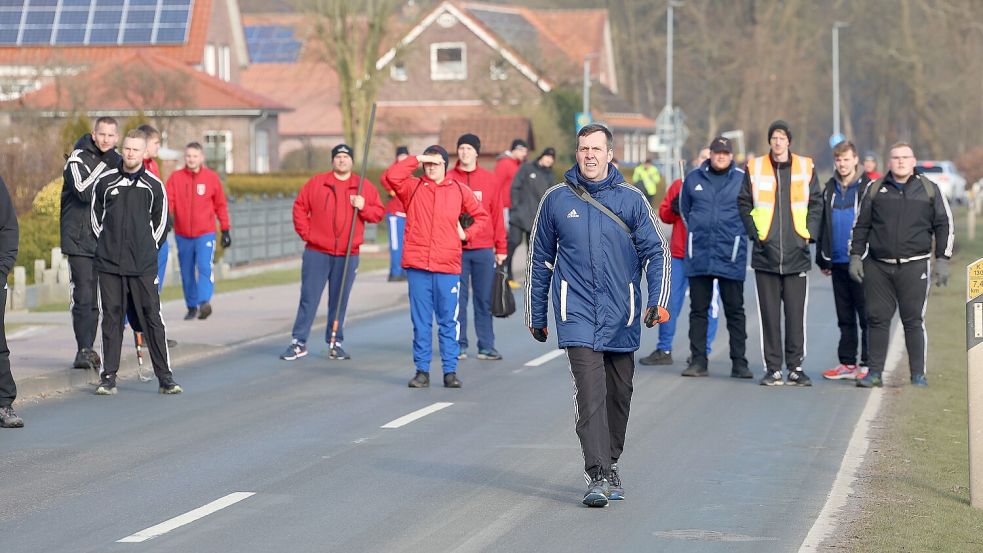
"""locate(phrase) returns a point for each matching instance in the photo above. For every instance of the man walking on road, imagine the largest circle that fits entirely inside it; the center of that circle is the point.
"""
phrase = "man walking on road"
(781, 206)
(482, 253)
(528, 186)
(647, 178)
(129, 219)
(396, 219)
(891, 253)
(841, 197)
(505, 169)
(93, 154)
(323, 213)
(8, 255)
(435, 204)
(197, 199)
(591, 232)
(716, 253)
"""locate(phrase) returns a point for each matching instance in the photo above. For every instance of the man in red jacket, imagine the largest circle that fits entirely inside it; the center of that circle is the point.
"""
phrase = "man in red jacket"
(196, 198)
(505, 168)
(482, 252)
(432, 255)
(323, 213)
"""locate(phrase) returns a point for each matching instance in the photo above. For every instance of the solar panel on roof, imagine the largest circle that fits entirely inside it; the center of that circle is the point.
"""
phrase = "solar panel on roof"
(94, 22)
(272, 44)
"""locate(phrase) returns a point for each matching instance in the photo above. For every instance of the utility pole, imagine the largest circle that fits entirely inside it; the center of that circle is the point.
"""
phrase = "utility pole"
(673, 147)
(586, 108)
(836, 76)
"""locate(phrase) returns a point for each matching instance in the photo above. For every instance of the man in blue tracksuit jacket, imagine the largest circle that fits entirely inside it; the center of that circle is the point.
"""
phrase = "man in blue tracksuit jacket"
(591, 266)
(716, 249)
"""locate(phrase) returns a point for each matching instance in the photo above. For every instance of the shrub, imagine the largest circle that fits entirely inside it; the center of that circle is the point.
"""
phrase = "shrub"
(47, 202)
(38, 234)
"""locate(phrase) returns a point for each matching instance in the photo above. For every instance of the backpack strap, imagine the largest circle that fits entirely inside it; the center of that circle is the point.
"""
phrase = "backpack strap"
(585, 196)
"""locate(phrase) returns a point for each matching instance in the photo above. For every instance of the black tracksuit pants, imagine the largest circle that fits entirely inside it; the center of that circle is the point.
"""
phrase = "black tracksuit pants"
(8, 390)
(85, 300)
(849, 298)
(732, 296)
(515, 237)
(117, 291)
(904, 288)
(777, 294)
(602, 382)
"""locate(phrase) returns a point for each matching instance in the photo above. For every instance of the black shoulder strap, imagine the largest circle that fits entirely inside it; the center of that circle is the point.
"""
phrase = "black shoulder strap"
(584, 195)
(929, 186)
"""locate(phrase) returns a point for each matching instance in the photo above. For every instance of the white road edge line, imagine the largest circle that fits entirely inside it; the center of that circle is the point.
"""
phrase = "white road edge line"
(186, 518)
(545, 358)
(418, 414)
(853, 458)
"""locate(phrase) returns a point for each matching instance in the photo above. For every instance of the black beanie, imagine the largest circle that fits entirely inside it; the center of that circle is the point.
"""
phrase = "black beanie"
(548, 152)
(471, 140)
(437, 149)
(341, 149)
(402, 150)
(779, 125)
(518, 142)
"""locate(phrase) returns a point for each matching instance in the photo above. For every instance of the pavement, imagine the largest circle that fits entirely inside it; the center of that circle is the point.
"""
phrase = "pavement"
(42, 350)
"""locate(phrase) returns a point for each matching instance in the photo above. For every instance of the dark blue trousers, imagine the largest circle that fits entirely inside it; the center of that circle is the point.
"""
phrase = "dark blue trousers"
(397, 227)
(316, 270)
(434, 294)
(477, 274)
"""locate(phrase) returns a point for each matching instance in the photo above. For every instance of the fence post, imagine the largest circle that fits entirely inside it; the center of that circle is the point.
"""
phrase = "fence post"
(18, 297)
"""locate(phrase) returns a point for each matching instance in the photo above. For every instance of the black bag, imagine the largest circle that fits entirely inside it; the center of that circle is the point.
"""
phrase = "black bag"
(503, 302)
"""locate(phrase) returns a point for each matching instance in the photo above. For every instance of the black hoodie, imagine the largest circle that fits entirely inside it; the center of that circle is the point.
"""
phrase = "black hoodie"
(82, 169)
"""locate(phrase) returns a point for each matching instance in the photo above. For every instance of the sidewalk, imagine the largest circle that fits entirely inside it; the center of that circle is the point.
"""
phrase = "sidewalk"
(42, 351)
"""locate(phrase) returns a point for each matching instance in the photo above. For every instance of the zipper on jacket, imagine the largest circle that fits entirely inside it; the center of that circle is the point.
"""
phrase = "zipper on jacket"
(781, 212)
(897, 226)
(563, 300)
(737, 244)
(631, 303)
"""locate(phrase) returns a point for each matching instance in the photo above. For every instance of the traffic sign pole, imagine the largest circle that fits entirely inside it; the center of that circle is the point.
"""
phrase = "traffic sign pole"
(974, 363)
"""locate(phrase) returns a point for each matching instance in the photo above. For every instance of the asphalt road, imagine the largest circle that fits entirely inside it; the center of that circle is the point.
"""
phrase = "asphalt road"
(711, 464)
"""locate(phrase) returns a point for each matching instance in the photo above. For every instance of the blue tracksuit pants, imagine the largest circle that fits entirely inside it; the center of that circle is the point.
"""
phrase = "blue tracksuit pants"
(316, 270)
(677, 293)
(195, 256)
(434, 294)
(397, 226)
(162, 254)
(477, 275)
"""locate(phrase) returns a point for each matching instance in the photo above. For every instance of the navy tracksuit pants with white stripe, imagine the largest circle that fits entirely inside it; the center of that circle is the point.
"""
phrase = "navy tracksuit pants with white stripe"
(889, 287)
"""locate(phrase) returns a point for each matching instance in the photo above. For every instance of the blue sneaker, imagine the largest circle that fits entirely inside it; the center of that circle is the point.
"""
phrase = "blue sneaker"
(489, 354)
(919, 380)
(295, 350)
(338, 353)
(597, 492)
(615, 491)
(871, 380)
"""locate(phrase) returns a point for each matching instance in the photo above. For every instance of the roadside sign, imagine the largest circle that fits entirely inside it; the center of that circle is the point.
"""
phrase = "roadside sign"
(974, 363)
(581, 120)
(836, 139)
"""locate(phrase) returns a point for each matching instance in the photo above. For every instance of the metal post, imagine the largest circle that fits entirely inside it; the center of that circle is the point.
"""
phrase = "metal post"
(974, 362)
(836, 76)
(671, 147)
(586, 108)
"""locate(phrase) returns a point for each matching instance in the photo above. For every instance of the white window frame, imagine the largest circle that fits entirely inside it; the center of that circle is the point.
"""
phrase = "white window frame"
(225, 63)
(227, 136)
(397, 71)
(210, 59)
(437, 73)
(262, 160)
(498, 70)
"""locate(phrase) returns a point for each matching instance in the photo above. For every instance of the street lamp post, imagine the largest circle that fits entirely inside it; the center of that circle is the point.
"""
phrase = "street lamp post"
(836, 76)
(673, 148)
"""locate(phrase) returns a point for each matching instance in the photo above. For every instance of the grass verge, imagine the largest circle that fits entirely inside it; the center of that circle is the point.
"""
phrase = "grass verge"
(915, 494)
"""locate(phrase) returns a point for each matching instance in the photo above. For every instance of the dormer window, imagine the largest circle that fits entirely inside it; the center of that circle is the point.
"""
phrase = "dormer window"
(448, 61)
(397, 71)
(496, 71)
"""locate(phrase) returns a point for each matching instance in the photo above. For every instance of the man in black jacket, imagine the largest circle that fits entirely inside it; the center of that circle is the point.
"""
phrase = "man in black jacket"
(528, 186)
(8, 254)
(891, 253)
(781, 206)
(93, 155)
(129, 219)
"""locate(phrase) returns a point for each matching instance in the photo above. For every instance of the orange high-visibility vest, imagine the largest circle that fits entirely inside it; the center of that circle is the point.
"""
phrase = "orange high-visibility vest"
(764, 193)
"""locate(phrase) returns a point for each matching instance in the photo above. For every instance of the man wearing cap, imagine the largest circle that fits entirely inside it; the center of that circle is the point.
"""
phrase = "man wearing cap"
(647, 177)
(396, 217)
(870, 166)
(435, 204)
(482, 252)
(323, 213)
(716, 252)
(528, 186)
(505, 169)
(781, 206)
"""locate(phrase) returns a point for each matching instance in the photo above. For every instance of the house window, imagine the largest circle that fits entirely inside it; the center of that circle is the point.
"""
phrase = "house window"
(210, 59)
(448, 61)
(225, 63)
(262, 147)
(497, 71)
(218, 151)
(398, 71)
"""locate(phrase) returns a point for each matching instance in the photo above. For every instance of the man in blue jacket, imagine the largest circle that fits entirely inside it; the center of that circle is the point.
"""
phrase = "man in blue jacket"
(716, 250)
(592, 236)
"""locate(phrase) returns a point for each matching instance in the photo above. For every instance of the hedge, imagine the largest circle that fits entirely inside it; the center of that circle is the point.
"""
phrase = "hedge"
(271, 184)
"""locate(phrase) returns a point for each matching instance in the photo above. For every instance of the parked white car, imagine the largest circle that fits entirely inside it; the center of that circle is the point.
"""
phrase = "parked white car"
(945, 175)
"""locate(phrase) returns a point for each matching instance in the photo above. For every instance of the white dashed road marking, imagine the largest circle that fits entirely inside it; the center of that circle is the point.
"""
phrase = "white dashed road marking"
(186, 518)
(543, 359)
(418, 414)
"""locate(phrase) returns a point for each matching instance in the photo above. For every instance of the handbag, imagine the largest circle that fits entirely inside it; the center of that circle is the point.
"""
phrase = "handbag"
(503, 302)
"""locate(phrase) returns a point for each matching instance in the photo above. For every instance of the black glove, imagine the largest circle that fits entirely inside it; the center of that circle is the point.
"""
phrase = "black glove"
(656, 315)
(539, 334)
(226, 239)
(856, 269)
(466, 220)
(675, 205)
(941, 273)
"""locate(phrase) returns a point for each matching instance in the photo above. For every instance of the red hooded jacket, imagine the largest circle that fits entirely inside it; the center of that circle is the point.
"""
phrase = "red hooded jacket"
(432, 210)
(323, 212)
(394, 206)
(150, 164)
(677, 245)
(484, 184)
(196, 199)
(505, 169)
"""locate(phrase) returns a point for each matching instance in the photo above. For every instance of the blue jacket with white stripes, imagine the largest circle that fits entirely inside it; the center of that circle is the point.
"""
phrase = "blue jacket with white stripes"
(591, 267)
(717, 241)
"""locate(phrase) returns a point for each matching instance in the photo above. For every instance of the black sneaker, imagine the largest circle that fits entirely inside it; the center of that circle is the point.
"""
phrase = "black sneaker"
(772, 378)
(919, 380)
(798, 377)
(191, 314)
(451, 381)
(741, 371)
(106, 388)
(694, 370)
(421, 380)
(657, 357)
(489, 354)
(615, 491)
(86, 359)
(204, 310)
(9, 419)
(871, 380)
(597, 492)
(295, 350)
(171, 343)
(337, 353)
(169, 387)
